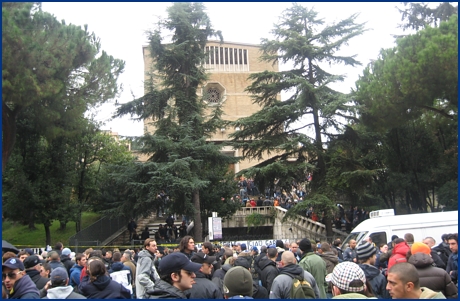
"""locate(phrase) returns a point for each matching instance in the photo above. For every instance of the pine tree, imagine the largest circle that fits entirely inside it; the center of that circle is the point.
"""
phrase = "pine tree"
(302, 40)
(181, 160)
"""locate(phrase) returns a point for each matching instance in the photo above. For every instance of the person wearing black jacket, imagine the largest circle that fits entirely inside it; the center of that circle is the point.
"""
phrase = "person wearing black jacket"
(204, 288)
(32, 267)
(263, 253)
(98, 285)
(268, 268)
(258, 292)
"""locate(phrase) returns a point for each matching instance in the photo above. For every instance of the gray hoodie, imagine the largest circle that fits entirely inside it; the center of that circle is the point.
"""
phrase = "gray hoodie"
(62, 292)
(146, 274)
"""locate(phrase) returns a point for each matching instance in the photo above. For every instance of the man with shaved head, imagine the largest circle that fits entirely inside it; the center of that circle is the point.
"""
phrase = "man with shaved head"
(403, 283)
(281, 287)
(431, 242)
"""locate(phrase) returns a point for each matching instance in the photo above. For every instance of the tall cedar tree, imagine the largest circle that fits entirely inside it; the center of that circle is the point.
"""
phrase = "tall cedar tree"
(181, 159)
(54, 68)
(302, 40)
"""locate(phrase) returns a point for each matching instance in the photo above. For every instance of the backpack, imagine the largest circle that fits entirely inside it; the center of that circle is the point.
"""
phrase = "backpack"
(301, 289)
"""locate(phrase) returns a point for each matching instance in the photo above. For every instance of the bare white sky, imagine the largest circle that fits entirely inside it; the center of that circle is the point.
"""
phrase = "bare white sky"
(121, 27)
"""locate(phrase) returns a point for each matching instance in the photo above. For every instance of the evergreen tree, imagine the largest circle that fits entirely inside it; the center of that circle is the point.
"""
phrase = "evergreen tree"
(54, 68)
(181, 160)
(419, 15)
(301, 39)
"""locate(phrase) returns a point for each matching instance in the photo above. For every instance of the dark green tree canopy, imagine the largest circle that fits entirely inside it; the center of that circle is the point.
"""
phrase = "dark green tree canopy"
(55, 68)
(181, 161)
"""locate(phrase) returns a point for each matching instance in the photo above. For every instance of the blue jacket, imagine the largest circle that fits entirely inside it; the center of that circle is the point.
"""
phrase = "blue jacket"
(75, 273)
(452, 265)
(24, 288)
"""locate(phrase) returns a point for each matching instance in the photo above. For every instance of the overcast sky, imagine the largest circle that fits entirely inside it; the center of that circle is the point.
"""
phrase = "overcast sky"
(121, 27)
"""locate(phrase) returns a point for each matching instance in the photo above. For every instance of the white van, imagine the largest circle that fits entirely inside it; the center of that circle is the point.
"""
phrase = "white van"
(383, 224)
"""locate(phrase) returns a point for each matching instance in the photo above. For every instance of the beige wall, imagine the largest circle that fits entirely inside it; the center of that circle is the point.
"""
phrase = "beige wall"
(237, 103)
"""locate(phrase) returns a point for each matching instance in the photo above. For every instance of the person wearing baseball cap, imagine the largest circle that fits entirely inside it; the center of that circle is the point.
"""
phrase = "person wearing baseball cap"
(17, 283)
(177, 274)
(58, 286)
(32, 265)
(204, 288)
(349, 282)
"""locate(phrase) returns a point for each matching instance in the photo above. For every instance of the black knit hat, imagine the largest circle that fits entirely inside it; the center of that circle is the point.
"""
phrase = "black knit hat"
(305, 245)
(365, 250)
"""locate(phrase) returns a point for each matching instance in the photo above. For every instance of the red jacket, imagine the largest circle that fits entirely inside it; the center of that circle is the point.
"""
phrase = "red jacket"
(399, 254)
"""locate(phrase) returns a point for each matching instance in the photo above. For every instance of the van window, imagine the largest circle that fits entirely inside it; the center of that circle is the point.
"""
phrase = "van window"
(353, 235)
(379, 238)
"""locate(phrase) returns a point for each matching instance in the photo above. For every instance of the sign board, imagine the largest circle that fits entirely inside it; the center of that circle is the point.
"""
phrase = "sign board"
(215, 228)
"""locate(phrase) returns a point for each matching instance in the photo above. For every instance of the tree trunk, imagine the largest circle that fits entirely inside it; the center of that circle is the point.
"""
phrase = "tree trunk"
(47, 233)
(31, 221)
(63, 225)
(9, 132)
(197, 229)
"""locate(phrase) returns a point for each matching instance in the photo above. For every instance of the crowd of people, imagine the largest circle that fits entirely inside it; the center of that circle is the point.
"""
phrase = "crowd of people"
(297, 270)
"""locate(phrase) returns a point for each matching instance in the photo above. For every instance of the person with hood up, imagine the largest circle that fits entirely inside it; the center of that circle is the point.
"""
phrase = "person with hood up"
(268, 268)
(238, 284)
(204, 288)
(281, 288)
(399, 252)
(366, 254)
(313, 264)
(258, 291)
(98, 285)
(177, 274)
(17, 283)
(58, 288)
(431, 277)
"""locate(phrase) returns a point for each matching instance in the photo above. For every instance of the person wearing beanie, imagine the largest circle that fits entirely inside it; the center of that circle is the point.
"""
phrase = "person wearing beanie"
(431, 277)
(348, 282)
(313, 264)
(66, 260)
(366, 254)
(258, 291)
(238, 284)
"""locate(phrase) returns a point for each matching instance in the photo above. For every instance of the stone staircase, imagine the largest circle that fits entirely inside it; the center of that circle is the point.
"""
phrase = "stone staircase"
(121, 238)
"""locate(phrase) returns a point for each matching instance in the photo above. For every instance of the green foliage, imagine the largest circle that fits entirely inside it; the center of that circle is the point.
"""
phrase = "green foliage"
(191, 170)
(255, 220)
(53, 68)
(420, 15)
(417, 76)
(303, 40)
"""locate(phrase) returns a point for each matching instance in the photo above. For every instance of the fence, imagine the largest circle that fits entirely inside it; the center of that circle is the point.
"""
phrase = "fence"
(98, 232)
